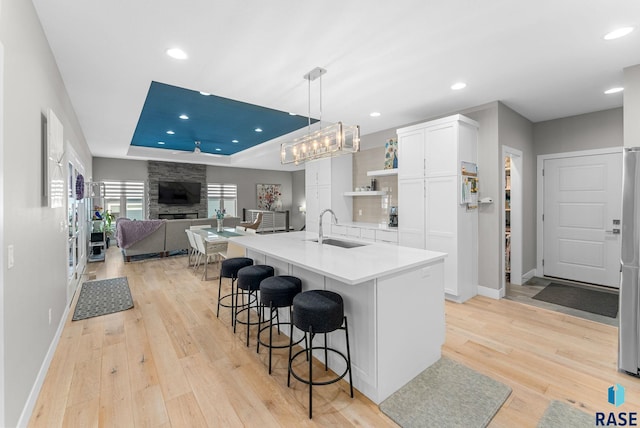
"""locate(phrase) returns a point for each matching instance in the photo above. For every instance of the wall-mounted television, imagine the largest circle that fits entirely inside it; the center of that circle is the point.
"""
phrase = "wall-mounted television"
(178, 193)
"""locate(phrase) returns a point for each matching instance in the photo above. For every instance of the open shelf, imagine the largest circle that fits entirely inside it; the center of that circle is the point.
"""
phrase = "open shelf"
(382, 172)
(366, 193)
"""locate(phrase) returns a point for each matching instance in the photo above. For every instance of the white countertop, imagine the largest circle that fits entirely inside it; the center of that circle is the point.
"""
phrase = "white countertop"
(348, 265)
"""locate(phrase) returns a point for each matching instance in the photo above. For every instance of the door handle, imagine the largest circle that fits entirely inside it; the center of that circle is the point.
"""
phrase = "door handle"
(614, 231)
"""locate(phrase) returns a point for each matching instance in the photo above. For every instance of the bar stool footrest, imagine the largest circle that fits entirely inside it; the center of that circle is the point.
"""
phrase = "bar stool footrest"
(310, 381)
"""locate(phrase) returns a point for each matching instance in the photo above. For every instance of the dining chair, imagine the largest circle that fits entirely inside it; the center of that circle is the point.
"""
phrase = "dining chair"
(201, 226)
(252, 225)
(193, 251)
(209, 250)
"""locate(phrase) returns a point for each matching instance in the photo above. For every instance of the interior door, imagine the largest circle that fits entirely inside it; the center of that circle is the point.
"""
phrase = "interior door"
(582, 203)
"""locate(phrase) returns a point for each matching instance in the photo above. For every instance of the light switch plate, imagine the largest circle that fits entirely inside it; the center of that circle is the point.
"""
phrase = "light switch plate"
(10, 259)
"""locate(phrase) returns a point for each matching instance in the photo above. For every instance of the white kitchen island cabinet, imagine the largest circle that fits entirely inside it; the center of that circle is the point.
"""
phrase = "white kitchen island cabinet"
(430, 157)
(392, 297)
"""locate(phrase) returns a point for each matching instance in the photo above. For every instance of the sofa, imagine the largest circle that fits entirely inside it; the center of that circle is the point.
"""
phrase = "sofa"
(137, 237)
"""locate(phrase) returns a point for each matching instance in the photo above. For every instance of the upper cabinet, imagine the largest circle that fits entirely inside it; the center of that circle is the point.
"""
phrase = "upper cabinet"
(318, 172)
(326, 181)
(432, 214)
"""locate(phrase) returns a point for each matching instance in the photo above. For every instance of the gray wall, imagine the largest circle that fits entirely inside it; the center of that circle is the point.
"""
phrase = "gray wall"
(517, 132)
(38, 281)
(299, 199)
(632, 106)
(489, 216)
(583, 132)
(245, 178)
(119, 169)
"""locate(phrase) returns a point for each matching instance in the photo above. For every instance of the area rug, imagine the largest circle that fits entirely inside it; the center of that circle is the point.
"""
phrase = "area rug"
(562, 415)
(447, 394)
(101, 297)
(581, 298)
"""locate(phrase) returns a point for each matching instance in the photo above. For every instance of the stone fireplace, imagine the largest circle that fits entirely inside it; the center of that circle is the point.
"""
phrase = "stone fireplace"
(172, 171)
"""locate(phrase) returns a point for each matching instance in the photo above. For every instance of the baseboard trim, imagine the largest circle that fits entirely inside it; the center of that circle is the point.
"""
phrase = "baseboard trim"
(23, 421)
(527, 276)
(492, 293)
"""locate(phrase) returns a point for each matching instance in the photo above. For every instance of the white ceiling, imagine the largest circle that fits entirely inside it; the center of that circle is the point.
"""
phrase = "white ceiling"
(545, 59)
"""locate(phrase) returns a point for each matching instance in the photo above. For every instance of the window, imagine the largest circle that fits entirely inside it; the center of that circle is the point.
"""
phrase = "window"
(222, 197)
(125, 199)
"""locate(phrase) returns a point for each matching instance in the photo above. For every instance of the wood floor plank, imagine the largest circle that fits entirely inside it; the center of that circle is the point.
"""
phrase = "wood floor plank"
(115, 390)
(184, 411)
(178, 365)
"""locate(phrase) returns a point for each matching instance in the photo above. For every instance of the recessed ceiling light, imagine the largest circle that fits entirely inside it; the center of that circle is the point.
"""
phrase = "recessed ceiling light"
(183, 117)
(177, 53)
(206, 94)
(234, 141)
(218, 149)
(616, 34)
(458, 86)
(374, 114)
(170, 132)
(292, 114)
(614, 90)
(161, 142)
(258, 129)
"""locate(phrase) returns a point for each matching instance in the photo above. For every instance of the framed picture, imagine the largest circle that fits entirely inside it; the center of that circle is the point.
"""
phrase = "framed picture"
(269, 197)
(55, 161)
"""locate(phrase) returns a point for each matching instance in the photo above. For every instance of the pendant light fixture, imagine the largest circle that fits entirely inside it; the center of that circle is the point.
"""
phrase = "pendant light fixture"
(332, 140)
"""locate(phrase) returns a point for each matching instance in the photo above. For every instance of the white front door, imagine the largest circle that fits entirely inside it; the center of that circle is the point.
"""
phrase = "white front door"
(582, 203)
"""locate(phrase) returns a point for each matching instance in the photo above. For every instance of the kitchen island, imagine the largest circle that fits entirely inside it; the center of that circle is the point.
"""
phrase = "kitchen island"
(393, 298)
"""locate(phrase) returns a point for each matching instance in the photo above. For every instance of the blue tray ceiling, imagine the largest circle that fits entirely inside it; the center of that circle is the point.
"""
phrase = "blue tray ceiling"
(214, 121)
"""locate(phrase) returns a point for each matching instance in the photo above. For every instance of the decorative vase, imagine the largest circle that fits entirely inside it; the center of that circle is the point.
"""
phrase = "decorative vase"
(220, 228)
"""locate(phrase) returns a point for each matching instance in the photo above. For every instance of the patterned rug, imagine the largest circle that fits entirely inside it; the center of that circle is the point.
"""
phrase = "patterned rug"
(101, 297)
(447, 394)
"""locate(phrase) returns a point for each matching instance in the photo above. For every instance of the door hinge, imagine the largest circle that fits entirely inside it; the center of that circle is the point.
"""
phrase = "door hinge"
(543, 172)
(542, 217)
(542, 262)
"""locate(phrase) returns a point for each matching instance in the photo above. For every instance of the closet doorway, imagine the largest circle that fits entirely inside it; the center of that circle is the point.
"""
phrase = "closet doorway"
(511, 207)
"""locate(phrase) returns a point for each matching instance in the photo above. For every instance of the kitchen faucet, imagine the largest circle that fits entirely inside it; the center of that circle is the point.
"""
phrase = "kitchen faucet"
(335, 220)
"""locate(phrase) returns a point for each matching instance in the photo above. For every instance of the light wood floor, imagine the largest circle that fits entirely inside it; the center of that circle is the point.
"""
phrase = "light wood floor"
(171, 362)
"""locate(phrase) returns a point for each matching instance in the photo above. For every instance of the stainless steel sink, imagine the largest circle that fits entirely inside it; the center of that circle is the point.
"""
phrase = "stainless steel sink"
(339, 243)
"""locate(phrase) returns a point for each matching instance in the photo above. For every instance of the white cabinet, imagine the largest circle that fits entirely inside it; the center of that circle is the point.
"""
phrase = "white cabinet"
(326, 181)
(431, 216)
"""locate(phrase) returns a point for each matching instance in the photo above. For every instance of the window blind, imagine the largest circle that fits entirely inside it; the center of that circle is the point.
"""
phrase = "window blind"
(222, 191)
(128, 189)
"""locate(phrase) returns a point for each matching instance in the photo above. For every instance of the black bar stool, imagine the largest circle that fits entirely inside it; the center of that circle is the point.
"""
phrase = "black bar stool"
(249, 279)
(319, 311)
(229, 269)
(277, 292)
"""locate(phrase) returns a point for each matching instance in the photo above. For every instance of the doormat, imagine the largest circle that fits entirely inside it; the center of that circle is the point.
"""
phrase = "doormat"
(447, 394)
(102, 297)
(581, 298)
(560, 414)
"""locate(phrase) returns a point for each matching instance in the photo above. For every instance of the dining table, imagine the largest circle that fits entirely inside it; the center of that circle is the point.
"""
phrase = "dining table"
(215, 242)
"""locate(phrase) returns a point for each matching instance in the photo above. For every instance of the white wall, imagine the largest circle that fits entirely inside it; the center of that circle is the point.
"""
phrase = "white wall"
(37, 282)
(632, 106)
